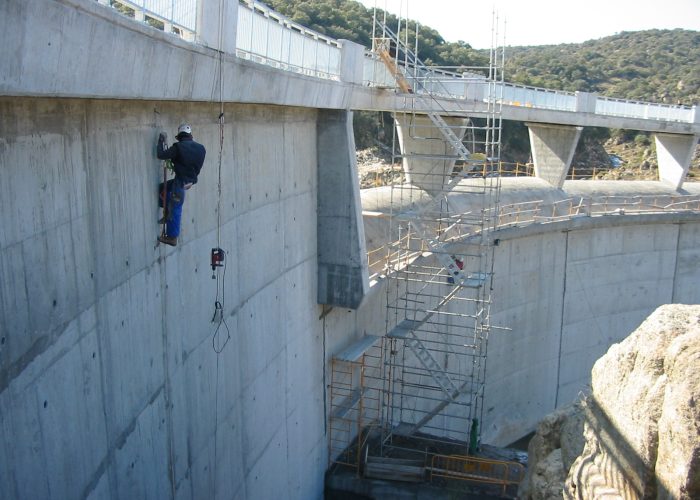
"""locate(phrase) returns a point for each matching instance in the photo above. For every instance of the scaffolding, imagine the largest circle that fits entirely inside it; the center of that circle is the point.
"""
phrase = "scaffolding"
(423, 380)
(439, 295)
(355, 394)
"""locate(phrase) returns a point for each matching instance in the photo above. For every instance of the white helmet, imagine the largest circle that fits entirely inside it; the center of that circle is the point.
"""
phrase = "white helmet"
(184, 129)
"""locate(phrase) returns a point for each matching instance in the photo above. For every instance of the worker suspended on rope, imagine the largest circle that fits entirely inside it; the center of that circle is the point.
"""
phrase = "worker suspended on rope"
(187, 157)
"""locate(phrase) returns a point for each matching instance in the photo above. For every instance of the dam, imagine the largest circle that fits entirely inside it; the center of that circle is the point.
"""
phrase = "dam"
(126, 371)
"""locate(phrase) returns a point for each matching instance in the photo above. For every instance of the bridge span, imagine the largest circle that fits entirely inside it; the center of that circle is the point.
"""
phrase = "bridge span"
(119, 378)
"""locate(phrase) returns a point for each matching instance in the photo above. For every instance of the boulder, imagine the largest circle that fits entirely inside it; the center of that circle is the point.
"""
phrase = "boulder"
(548, 478)
(642, 425)
(557, 441)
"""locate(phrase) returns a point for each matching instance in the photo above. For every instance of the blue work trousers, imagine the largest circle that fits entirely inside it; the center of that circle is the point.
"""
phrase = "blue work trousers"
(175, 200)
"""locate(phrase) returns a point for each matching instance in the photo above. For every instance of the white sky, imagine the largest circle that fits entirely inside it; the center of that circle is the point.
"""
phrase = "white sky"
(543, 22)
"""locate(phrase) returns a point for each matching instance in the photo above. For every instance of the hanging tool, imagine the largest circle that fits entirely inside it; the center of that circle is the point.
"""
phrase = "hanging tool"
(217, 260)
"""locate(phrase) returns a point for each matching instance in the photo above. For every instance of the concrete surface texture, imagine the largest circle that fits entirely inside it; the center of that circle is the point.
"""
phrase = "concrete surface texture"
(429, 158)
(567, 291)
(553, 148)
(109, 385)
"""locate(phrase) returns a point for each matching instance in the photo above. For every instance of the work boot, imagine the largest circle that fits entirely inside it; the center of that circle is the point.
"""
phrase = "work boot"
(168, 240)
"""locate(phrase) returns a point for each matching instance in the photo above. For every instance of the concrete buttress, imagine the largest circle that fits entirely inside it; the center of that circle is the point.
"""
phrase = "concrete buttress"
(343, 278)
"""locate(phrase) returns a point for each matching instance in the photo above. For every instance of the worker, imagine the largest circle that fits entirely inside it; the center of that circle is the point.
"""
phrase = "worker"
(460, 265)
(187, 157)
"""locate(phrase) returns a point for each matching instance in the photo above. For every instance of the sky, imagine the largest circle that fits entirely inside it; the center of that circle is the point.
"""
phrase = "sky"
(542, 22)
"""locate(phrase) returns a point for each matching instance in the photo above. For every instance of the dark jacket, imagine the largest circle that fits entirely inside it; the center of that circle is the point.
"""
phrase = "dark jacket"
(187, 156)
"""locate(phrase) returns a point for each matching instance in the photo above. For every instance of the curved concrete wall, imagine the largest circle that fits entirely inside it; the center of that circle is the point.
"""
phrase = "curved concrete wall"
(109, 385)
(569, 291)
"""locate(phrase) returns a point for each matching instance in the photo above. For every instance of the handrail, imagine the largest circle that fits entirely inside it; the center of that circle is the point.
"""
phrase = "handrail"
(525, 213)
(465, 468)
(529, 212)
(268, 37)
(179, 18)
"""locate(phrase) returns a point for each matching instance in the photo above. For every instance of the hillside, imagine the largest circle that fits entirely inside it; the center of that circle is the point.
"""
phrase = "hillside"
(654, 65)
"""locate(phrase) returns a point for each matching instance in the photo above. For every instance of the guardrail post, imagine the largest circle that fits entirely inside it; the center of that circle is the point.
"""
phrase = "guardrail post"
(213, 16)
(352, 59)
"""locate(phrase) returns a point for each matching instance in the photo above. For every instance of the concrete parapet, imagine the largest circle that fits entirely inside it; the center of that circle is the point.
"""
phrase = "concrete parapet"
(217, 23)
(585, 102)
(352, 59)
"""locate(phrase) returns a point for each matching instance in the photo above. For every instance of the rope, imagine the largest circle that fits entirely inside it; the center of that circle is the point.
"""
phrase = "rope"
(220, 283)
(218, 317)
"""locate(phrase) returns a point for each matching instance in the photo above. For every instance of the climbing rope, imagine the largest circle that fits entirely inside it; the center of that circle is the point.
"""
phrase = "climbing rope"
(218, 256)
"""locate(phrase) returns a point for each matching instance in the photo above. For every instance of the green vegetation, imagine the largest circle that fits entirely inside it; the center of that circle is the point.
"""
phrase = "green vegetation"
(654, 65)
(350, 20)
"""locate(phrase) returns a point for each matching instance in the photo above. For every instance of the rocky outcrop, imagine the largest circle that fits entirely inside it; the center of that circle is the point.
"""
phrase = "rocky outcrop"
(555, 445)
(642, 420)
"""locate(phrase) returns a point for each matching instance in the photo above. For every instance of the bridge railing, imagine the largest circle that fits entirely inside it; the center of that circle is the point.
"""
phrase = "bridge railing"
(172, 16)
(648, 110)
(267, 37)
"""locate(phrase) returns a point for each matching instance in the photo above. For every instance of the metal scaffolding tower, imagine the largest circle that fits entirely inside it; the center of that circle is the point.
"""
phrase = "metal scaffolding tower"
(439, 297)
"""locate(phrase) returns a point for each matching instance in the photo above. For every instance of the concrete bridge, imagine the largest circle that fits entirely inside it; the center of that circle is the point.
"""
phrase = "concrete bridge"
(114, 380)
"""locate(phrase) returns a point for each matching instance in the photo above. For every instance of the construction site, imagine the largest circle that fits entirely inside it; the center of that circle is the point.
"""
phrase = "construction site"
(378, 342)
(407, 405)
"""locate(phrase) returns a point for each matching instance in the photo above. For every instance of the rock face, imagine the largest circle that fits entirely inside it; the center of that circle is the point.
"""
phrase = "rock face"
(555, 445)
(642, 419)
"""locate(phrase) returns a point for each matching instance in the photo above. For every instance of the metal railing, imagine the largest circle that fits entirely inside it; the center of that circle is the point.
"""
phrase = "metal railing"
(267, 37)
(471, 86)
(480, 470)
(385, 260)
(637, 109)
(172, 16)
(537, 211)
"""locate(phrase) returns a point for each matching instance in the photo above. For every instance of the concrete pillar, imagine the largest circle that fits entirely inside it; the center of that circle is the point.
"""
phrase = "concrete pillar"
(343, 277)
(352, 60)
(419, 136)
(553, 148)
(674, 153)
(213, 15)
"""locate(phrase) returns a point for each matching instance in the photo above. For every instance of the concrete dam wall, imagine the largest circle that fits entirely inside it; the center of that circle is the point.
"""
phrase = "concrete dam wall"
(109, 385)
(110, 381)
(568, 293)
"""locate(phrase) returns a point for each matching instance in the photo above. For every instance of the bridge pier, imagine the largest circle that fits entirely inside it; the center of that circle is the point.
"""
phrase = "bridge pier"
(343, 275)
(553, 148)
(674, 152)
(428, 160)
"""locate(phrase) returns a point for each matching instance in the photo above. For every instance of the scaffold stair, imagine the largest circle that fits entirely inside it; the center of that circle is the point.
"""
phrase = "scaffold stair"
(450, 263)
